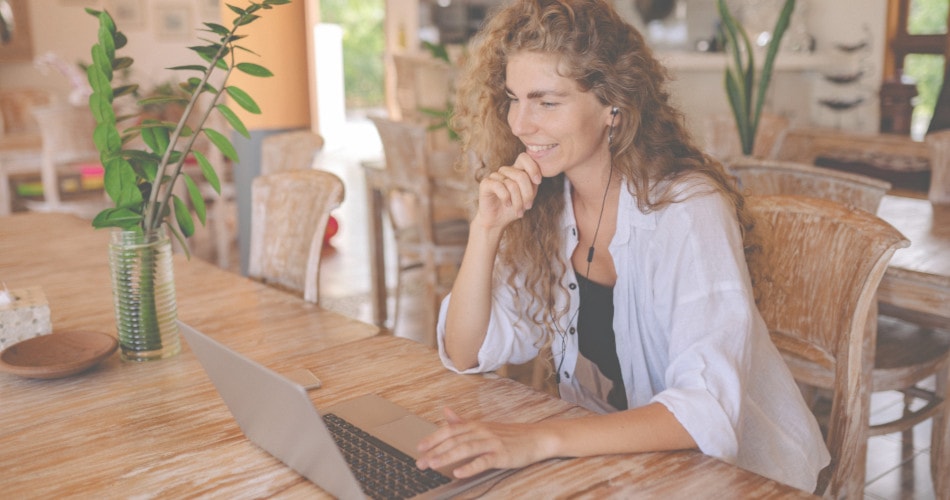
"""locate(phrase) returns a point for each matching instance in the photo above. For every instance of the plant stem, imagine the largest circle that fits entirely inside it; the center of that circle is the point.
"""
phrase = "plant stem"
(153, 209)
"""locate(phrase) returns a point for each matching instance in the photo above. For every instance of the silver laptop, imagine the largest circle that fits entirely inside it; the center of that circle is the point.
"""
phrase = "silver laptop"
(276, 414)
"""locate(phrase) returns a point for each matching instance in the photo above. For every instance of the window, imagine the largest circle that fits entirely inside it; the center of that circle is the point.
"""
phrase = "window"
(916, 53)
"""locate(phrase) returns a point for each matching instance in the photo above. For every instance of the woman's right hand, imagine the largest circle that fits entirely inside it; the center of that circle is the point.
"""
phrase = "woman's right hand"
(507, 193)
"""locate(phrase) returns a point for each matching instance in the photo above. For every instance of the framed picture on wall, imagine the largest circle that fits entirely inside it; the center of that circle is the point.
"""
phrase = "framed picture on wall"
(172, 21)
(128, 14)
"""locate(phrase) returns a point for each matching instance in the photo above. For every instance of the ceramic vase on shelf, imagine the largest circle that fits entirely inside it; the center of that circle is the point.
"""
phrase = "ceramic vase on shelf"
(143, 290)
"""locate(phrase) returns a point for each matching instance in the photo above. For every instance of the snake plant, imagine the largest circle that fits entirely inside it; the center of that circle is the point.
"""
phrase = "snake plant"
(746, 96)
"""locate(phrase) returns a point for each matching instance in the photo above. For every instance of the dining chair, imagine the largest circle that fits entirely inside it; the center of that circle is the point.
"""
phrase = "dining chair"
(289, 213)
(815, 274)
(430, 231)
(67, 146)
(761, 176)
(292, 150)
(909, 356)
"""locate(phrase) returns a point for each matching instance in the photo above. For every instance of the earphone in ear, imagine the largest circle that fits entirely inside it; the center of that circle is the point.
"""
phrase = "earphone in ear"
(613, 116)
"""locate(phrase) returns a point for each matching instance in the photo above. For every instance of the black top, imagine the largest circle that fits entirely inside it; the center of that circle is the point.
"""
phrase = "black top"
(596, 335)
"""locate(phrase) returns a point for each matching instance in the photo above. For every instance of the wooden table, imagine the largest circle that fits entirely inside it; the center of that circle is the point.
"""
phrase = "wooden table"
(916, 285)
(159, 428)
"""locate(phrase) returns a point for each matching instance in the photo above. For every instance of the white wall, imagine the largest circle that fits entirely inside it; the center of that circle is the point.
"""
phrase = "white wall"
(798, 82)
(63, 27)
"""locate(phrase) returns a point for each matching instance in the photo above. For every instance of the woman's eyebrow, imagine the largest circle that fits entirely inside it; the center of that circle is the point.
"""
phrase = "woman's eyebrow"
(538, 94)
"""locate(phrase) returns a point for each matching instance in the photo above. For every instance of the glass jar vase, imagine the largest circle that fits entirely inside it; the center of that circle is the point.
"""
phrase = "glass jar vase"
(143, 291)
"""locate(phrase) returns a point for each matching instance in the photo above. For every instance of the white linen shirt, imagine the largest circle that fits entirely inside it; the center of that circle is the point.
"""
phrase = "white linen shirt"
(688, 335)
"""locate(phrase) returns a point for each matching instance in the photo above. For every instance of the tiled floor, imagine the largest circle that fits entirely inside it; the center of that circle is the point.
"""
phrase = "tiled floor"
(898, 467)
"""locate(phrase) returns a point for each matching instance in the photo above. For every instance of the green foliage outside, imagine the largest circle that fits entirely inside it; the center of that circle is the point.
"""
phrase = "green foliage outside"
(363, 47)
(926, 17)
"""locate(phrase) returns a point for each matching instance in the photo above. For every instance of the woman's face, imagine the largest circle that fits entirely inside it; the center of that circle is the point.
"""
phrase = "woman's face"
(563, 128)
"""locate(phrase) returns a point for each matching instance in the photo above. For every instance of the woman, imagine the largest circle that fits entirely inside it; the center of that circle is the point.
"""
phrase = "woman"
(606, 238)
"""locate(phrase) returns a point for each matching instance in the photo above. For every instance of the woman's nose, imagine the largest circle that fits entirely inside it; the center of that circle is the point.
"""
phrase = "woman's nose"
(520, 120)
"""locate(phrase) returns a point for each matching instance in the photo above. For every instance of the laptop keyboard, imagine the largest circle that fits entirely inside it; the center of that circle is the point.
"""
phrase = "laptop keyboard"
(383, 471)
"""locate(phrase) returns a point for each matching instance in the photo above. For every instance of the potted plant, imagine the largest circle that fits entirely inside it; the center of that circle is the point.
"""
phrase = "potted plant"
(140, 180)
(746, 97)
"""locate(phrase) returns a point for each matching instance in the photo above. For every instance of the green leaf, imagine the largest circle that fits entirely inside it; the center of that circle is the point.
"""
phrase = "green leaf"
(207, 170)
(181, 240)
(190, 67)
(101, 108)
(183, 216)
(254, 69)
(117, 217)
(222, 143)
(237, 10)
(233, 120)
(106, 138)
(197, 200)
(116, 180)
(102, 65)
(121, 63)
(125, 90)
(120, 40)
(106, 35)
(217, 29)
(243, 99)
(155, 135)
(163, 99)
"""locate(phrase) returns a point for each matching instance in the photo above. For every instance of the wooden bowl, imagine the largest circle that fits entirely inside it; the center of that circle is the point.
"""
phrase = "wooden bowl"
(58, 354)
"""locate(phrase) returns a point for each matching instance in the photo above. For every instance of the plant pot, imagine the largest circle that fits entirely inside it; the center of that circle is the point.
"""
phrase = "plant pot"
(143, 290)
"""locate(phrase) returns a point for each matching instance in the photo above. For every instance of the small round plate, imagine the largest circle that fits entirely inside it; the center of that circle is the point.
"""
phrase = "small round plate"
(57, 355)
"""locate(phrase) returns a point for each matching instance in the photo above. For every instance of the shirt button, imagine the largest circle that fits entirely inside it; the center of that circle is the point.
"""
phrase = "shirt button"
(572, 286)
(567, 375)
(572, 330)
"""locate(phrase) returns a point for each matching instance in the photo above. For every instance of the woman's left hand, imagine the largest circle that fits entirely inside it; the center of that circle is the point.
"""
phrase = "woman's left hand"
(480, 446)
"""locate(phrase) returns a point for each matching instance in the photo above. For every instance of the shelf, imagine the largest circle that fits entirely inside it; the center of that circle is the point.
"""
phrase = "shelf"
(786, 61)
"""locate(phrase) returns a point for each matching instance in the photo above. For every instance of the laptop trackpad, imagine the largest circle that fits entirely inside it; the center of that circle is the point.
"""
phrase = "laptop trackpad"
(405, 433)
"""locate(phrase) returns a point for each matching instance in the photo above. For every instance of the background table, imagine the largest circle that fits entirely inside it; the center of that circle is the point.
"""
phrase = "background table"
(160, 429)
(917, 282)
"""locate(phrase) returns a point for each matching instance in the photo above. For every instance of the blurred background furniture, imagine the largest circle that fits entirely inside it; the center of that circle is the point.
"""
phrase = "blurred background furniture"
(67, 148)
(288, 219)
(907, 164)
(815, 279)
(430, 231)
(20, 142)
(292, 150)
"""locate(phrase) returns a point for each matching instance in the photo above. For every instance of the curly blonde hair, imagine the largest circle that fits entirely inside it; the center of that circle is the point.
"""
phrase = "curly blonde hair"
(608, 57)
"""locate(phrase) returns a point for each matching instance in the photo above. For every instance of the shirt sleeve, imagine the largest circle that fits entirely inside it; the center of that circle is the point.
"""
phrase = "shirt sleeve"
(704, 300)
(511, 337)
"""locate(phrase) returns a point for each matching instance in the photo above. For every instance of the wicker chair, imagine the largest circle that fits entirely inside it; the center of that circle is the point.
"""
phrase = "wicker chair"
(759, 177)
(815, 279)
(288, 219)
(430, 231)
(908, 355)
(292, 150)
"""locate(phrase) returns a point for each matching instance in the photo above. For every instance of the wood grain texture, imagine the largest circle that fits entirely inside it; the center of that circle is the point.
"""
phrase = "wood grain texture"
(159, 429)
(815, 278)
